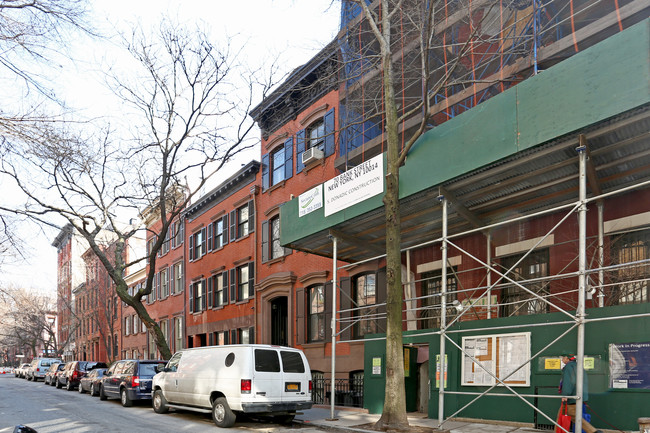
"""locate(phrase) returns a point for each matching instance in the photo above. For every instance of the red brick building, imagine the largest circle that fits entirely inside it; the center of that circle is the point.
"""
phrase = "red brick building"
(221, 258)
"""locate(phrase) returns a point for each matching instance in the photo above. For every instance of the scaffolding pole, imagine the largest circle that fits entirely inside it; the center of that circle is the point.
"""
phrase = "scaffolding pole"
(582, 279)
(333, 324)
(443, 314)
(601, 254)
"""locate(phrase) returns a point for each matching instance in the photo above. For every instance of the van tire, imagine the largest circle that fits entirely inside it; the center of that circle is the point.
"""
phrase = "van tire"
(102, 395)
(124, 398)
(221, 414)
(159, 402)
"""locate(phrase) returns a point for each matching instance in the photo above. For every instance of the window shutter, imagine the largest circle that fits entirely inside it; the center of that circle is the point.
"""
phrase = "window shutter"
(345, 285)
(329, 123)
(288, 158)
(381, 298)
(251, 216)
(251, 335)
(251, 279)
(328, 311)
(210, 293)
(300, 149)
(224, 239)
(203, 242)
(225, 287)
(233, 225)
(190, 290)
(191, 248)
(170, 277)
(233, 336)
(300, 316)
(210, 237)
(233, 285)
(158, 286)
(265, 241)
(265, 172)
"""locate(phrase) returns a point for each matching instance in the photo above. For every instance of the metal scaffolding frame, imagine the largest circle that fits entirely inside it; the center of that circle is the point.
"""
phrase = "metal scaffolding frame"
(573, 321)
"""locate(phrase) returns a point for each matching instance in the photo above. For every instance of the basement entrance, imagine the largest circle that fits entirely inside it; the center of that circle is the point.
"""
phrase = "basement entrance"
(279, 321)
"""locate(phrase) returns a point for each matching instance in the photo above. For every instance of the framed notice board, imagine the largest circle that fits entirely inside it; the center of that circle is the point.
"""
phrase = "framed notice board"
(498, 354)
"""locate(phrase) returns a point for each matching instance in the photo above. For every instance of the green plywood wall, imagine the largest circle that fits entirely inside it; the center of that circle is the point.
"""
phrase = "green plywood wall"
(621, 408)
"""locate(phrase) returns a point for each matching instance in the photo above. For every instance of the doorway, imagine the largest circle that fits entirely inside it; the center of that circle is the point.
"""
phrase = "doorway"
(279, 321)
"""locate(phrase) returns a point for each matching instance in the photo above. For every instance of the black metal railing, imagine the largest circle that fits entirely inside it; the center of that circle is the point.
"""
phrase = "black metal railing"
(347, 392)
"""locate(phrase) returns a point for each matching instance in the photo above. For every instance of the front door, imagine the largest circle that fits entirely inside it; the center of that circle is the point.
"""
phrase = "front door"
(279, 321)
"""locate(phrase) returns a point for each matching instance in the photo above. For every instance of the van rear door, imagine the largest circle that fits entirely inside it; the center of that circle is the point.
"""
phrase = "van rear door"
(295, 378)
(267, 383)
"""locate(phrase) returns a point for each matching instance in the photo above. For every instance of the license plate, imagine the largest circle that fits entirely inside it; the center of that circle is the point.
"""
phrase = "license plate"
(292, 386)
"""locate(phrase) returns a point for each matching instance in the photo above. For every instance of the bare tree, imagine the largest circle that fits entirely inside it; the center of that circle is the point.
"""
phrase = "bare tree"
(187, 107)
(34, 35)
(27, 321)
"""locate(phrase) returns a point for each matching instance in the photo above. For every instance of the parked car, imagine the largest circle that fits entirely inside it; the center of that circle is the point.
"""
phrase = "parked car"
(39, 367)
(59, 376)
(74, 371)
(129, 380)
(50, 375)
(260, 379)
(20, 371)
(91, 381)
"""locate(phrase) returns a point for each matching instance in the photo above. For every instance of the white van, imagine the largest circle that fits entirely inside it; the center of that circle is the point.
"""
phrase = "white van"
(39, 367)
(249, 378)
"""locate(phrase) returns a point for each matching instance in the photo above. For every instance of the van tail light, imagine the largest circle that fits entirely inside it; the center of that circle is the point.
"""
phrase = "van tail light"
(135, 381)
(246, 385)
(38, 369)
(311, 386)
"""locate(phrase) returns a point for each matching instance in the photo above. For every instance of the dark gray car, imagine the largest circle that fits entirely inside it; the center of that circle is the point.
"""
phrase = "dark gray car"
(129, 380)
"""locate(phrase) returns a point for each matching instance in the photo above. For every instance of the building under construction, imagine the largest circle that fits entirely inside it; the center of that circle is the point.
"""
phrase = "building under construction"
(525, 207)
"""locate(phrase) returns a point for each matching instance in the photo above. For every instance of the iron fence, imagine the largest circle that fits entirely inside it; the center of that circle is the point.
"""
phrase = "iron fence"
(347, 392)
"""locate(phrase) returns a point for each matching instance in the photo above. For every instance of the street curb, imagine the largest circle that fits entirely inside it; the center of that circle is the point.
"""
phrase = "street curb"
(333, 427)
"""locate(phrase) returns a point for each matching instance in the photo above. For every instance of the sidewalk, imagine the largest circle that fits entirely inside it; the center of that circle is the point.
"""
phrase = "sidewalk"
(350, 420)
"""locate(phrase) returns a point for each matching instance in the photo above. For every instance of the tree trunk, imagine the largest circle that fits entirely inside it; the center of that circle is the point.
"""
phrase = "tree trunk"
(394, 413)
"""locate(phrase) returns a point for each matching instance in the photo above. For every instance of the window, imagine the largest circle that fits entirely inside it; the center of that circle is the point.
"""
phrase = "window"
(197, 296)
(276, 249)
(267, 361)
(277, 166)
(198, 244)
(151, 297)
(431, 288)
(152, 347)
(150, 244)
(136, 323)
(220, 233)
(242, 283)
(244, 335)
(633, 286)
(164, 248)
(176, 234)
(516, 301)
(242, 222)
(164, 328)
(316, 313)
(316, 135)
(177, 278)
(219, 287)
(164, 283)
(178, 333)
(365, 295)
(222, 338)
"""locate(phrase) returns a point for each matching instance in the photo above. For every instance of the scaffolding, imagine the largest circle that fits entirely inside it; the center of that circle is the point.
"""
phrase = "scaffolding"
(593, 280)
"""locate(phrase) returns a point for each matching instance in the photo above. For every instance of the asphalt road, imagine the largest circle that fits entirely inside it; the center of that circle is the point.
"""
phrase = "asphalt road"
(50, 410)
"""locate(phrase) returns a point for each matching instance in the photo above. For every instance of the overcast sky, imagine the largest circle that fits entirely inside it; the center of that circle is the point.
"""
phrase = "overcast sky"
(291, 30)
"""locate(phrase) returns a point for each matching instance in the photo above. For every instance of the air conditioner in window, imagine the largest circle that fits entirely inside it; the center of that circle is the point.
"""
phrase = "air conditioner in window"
(311, 154)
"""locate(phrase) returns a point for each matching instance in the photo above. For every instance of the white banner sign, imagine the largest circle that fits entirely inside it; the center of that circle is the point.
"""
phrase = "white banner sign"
(355, 185)
(310, 200)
